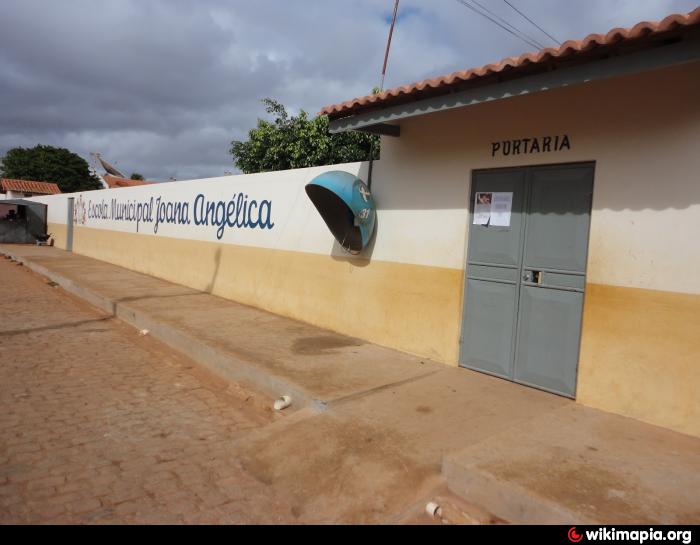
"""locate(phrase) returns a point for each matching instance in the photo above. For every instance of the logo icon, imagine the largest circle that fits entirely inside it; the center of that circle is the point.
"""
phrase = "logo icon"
(364, 191)
(80, 211)
(574, 536)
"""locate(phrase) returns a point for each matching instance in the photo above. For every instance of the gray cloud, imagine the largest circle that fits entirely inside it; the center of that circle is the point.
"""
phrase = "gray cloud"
(161, 87)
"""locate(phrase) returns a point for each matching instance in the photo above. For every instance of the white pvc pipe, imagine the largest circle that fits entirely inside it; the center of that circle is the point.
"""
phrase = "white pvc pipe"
(433, 510)
(282, 403)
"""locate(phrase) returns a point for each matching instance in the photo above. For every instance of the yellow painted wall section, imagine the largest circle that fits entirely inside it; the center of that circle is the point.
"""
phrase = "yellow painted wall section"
(640, 355)
(59, 232)
(308, 287)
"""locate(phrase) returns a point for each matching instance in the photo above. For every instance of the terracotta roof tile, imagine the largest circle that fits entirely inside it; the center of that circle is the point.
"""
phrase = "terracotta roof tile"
(567, 50)
(116, 181)
(29, 186)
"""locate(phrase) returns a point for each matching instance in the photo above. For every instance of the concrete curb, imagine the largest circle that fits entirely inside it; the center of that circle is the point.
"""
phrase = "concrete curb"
(219, 362)
(503, 498)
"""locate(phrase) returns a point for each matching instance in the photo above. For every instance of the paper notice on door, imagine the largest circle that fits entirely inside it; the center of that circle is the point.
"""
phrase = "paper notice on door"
(501, 207)
(482, 208)
(493, 209)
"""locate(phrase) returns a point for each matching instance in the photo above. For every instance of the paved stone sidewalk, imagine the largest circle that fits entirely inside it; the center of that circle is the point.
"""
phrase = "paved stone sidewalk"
(99, 424)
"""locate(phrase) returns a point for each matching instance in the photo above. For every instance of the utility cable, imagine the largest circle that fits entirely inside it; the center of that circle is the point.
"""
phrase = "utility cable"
(505, 22)
(494, 21)
(533, 23)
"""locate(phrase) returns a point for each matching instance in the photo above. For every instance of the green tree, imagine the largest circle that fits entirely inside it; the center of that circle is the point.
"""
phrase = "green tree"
(48, 164)
(137, 176)
(298, 141)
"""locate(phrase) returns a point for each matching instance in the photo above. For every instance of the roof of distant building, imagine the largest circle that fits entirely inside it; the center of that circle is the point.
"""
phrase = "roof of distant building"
(29, 186)
(116, 181)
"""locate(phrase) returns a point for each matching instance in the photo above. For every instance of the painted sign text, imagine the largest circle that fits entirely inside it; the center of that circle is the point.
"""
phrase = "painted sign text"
(528, 146)
(239, 212)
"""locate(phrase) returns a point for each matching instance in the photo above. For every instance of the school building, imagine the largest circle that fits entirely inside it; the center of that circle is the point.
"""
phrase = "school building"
(537, 219)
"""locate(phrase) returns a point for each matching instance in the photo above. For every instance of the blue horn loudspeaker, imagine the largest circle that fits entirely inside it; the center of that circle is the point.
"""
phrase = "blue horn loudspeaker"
(346, 205)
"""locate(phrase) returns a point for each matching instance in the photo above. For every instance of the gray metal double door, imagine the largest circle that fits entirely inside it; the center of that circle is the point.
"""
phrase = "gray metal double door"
(526, 274)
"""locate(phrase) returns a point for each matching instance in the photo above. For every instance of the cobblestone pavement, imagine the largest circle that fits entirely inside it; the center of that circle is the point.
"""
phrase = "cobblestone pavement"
(100, 425)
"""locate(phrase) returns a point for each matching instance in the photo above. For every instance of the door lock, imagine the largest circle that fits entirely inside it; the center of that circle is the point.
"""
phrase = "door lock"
(533, 277)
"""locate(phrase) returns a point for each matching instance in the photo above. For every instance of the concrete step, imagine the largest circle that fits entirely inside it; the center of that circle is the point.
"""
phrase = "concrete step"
(581, 466)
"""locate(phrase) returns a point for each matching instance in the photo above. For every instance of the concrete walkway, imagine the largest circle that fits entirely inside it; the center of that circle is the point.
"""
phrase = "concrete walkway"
(375, 432)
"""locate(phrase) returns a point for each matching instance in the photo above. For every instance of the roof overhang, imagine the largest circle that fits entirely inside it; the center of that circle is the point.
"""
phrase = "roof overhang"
(386, 120)
(23, 202)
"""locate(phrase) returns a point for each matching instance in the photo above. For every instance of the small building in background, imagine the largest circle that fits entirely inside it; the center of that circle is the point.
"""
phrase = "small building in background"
(19, 189)
(21, 221)
(113, 178)
(113, 182)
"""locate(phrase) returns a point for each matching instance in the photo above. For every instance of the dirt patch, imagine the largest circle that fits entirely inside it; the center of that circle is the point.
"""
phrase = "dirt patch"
(331, 470)
(453, 510)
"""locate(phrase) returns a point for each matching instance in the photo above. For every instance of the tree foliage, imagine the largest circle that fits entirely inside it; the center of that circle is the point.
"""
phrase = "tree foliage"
(48, 164)
(137, 176)
(298, 141)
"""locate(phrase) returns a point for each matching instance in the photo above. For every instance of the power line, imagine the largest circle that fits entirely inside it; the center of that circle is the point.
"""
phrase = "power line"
(381, 87)
(388, 42)
(494, 21)
(533, 22)
(502, 20)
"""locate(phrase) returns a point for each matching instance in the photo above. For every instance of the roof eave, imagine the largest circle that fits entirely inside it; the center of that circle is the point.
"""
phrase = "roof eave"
(601, 63)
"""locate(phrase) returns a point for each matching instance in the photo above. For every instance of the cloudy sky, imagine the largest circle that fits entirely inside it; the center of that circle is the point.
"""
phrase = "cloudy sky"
(161, 87)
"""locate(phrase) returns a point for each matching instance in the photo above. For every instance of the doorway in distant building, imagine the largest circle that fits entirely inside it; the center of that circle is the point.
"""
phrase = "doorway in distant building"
(526, 274)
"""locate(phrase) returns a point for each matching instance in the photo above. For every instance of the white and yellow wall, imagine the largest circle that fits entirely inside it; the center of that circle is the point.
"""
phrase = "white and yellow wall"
(640, 353)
